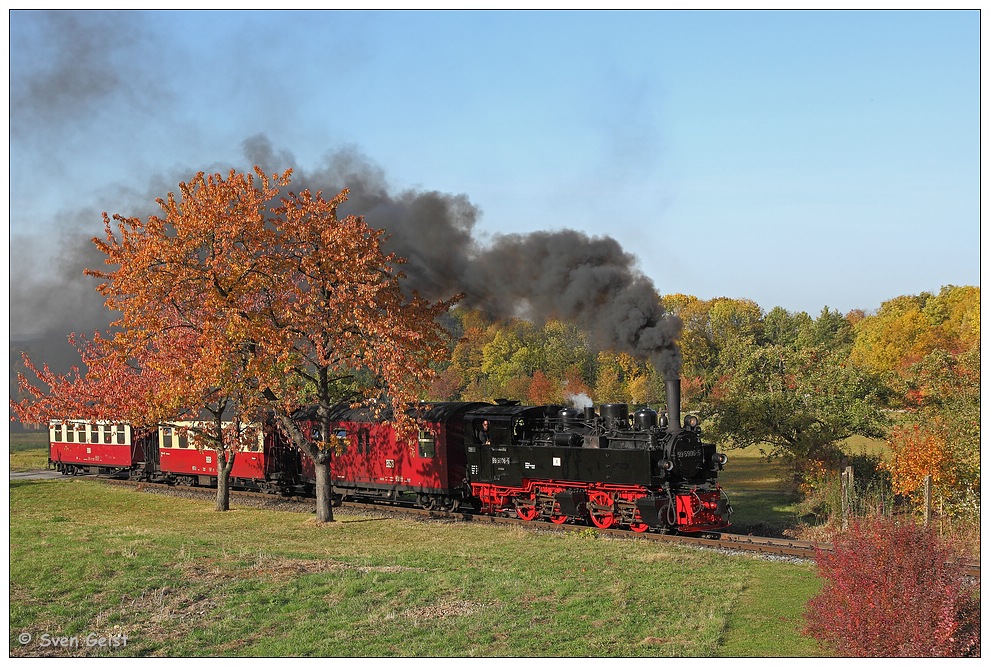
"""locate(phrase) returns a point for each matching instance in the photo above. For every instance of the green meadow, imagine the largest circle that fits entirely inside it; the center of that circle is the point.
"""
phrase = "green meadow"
(92, 563)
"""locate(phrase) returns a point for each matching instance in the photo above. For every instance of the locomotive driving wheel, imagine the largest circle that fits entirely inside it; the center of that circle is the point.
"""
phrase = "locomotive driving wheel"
(601, 509)
(526, 509)
(638, 526)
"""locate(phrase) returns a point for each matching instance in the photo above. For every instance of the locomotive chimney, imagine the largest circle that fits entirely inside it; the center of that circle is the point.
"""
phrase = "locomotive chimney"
(673, 387)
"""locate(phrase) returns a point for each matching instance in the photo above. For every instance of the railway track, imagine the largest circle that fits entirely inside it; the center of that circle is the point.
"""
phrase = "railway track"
(763, 546)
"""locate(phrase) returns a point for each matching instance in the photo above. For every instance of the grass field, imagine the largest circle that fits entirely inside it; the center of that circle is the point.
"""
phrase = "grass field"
(28, 450)
(179, 579)
(762, 502)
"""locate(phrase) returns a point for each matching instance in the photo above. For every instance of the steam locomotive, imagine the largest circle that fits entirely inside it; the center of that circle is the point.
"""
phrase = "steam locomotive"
(610, 468)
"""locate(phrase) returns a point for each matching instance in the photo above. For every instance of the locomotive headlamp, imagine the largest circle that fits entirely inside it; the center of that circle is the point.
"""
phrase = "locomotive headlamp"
(721, 459)
(691, 421)
(667, 465)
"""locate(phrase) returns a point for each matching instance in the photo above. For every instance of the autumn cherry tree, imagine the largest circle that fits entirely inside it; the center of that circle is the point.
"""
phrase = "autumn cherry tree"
(241, 301)
(336, 308)
(123, 384)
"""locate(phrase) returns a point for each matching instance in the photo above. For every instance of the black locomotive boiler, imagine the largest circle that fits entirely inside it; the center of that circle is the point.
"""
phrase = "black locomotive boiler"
(641, 471)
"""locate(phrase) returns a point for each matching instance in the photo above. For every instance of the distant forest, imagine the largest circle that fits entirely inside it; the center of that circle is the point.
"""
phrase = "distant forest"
(794, 384)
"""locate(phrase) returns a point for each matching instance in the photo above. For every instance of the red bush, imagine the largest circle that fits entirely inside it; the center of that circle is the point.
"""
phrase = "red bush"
(893, 590)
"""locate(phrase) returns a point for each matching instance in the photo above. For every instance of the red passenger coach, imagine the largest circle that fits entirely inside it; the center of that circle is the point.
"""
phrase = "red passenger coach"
(183, 461)
(95, 447)
(374, 463)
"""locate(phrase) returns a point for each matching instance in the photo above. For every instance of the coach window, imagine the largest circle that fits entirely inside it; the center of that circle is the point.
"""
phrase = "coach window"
(427, 445)
(57, 433)
(121, 434)
(183, 439)
(167, 437)
(363, 446)
(341, 435)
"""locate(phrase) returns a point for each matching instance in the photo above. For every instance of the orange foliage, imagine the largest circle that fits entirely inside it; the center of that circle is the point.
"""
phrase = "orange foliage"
(243, 293)
(917, 453)
(543, 390)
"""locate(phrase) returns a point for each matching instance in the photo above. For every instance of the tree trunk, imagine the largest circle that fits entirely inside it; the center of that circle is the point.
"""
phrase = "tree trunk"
(324, 492)
(321, 465)
(224, 466)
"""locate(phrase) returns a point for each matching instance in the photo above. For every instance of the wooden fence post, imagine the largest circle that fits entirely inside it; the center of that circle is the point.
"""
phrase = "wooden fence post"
(847, 495)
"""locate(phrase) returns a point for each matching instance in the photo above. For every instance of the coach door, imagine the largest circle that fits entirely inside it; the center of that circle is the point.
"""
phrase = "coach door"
(147, 440)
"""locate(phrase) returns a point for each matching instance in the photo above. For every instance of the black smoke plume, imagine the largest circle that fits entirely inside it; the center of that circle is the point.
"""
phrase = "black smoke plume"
(589, 281)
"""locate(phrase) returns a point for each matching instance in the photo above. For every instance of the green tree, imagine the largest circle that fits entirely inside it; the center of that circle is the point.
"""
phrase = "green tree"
(781, 327)
(799, 404)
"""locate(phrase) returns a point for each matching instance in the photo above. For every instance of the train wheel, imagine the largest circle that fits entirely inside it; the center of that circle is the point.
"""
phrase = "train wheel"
(639, 527)
(601, 509)
(526, 512)
(556, 517)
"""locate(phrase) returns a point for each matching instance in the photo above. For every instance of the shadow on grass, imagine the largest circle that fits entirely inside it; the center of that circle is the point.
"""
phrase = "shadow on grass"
(762, 502)
(762, 513)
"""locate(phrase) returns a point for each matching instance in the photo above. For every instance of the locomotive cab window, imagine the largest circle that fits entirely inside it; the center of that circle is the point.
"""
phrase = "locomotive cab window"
(482, 431)
(519, 430)
(363, 446)
(427, 445)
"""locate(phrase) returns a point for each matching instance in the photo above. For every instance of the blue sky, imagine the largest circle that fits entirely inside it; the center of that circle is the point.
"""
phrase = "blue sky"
(798, 159)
